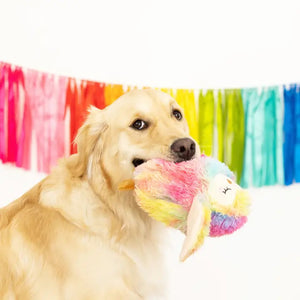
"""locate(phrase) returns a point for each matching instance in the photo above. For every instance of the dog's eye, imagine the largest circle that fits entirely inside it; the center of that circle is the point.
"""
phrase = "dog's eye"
(177, 114)
(139, 125)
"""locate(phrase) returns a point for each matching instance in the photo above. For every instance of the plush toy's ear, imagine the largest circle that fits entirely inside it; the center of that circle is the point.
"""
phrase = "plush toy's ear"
(198, 221)
(90, 135)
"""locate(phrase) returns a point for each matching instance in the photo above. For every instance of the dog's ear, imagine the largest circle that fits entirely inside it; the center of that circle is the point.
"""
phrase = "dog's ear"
(90, 136)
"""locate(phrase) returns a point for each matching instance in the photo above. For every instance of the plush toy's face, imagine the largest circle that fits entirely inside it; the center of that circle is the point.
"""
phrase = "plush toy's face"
(222, 190)
(226, 196)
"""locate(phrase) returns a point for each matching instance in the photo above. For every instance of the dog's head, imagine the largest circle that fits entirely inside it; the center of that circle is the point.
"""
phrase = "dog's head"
(139, 126)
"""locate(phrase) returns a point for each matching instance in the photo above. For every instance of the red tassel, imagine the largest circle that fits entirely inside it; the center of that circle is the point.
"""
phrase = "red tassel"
(78, 100)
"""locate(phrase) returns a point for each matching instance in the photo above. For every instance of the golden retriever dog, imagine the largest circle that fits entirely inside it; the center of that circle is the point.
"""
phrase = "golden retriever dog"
(75, 235)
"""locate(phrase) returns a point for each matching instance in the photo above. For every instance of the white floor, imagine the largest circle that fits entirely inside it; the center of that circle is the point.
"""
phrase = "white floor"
(260, 261)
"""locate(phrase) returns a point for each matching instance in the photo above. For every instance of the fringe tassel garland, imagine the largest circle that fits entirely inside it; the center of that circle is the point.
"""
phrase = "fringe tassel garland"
(256, 132)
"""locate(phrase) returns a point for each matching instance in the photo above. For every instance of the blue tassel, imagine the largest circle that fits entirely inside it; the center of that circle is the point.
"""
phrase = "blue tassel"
(289, 134)
(297, 133)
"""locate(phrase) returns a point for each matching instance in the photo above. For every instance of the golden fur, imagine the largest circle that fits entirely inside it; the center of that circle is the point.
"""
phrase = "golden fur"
(75, 235)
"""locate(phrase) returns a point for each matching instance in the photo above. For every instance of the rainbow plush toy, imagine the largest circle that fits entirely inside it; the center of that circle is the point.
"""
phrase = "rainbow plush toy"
(198, 197)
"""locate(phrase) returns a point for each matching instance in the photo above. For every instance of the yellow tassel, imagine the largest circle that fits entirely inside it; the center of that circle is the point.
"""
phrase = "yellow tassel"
(186, 99)
(112, 92)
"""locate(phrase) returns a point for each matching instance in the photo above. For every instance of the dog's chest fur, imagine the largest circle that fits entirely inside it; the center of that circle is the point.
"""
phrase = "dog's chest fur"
(67, 245)
(105, 259)
(96, 271)
(85, 266)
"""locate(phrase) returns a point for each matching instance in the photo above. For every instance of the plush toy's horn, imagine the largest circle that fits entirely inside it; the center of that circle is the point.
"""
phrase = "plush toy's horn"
(198, 221)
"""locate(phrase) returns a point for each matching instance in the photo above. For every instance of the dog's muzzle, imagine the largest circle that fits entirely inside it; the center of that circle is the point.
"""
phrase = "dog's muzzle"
(182, 150)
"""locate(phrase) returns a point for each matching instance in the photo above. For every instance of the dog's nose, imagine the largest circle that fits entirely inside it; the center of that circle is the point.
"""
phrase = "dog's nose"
(183, 149)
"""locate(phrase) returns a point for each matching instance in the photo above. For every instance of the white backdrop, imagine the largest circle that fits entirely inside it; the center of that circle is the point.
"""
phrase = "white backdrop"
(188, 44)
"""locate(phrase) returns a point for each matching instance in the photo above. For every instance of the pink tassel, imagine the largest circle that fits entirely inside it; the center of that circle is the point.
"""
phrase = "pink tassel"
(58, 133)
(32, 93)
(25, 149)
(11, 116)
(46, 97)
(25, 131)
(44, 123)
(55, 99)
(3, 73)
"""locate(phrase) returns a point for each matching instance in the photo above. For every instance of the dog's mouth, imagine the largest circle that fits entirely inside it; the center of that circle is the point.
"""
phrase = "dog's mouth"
(138, 161)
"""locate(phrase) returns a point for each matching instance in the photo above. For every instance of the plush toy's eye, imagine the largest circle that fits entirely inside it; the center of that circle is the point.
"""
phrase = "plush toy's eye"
(225, 190)
(139, 125)
(222, 190)
(177, 114)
